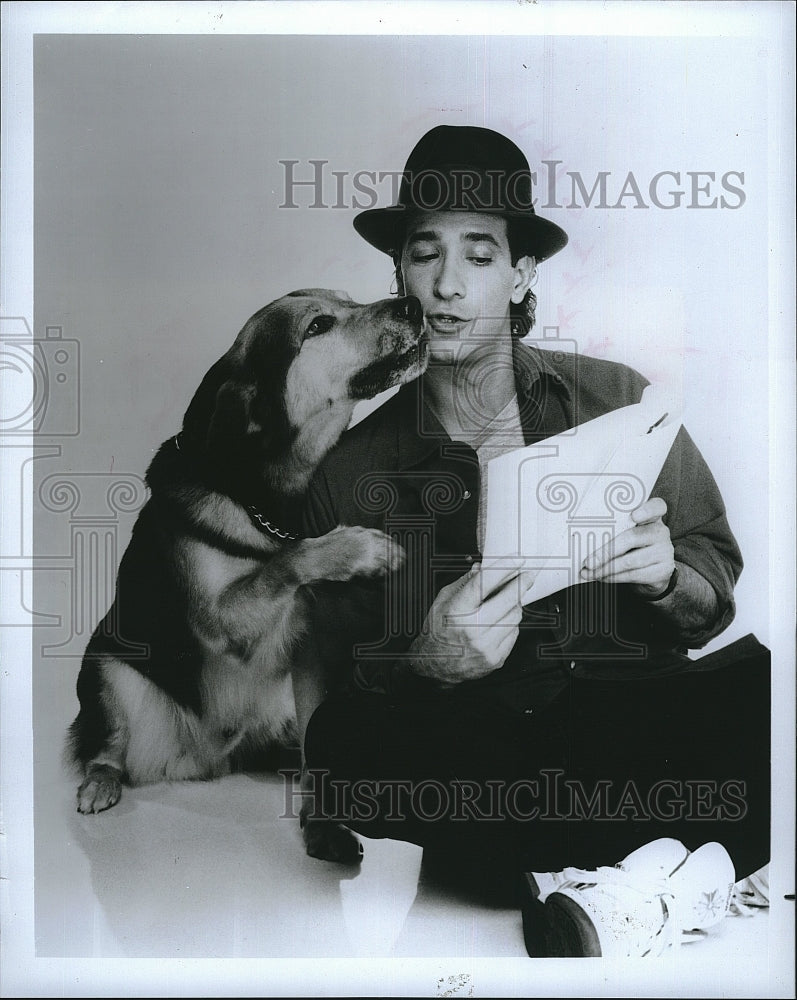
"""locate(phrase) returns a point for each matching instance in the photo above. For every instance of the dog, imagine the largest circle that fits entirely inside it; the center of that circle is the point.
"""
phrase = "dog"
(190, 673)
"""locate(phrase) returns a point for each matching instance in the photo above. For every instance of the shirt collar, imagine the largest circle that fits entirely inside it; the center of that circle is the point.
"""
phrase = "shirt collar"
(419, 433)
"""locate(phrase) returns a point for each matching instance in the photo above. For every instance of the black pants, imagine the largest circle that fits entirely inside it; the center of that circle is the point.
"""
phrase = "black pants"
(609, 766)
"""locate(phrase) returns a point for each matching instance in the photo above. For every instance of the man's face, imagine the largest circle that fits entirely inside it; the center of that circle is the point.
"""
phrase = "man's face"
(459, 265)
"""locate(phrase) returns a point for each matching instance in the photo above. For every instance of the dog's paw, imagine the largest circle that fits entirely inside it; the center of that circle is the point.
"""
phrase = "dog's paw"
(101, 789)
(366, 552)
(330, 841)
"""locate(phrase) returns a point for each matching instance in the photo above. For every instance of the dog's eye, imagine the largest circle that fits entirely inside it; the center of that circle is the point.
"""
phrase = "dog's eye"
(320, 325)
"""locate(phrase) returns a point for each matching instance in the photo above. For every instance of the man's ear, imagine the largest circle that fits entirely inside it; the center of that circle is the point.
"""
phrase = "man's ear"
(525, 272)
(398, 277)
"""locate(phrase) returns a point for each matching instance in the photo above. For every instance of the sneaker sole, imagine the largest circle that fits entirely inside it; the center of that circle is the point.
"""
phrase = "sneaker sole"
(557, 928)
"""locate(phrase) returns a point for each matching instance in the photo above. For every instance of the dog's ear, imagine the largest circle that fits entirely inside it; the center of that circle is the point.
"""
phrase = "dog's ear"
(231, 422)
(237, 419)
(220, 414)
(234, 418)
(199, 414)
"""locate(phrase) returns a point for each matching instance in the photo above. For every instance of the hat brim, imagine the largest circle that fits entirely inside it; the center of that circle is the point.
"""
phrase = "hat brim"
(383, 229)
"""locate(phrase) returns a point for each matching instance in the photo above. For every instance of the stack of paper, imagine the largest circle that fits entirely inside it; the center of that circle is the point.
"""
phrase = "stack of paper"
(551, 504)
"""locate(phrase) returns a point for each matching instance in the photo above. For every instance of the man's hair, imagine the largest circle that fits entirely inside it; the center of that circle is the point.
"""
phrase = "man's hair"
(521, 314)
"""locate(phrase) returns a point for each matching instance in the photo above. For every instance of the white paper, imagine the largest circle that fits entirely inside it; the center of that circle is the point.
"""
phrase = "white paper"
(551, 504)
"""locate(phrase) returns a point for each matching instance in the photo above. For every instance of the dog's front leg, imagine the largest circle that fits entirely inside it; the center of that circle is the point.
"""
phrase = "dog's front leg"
(324, 837)
(341, 555)
(344, 553)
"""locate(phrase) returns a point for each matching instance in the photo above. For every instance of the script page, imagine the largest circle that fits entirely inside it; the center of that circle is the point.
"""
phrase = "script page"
(553, 503)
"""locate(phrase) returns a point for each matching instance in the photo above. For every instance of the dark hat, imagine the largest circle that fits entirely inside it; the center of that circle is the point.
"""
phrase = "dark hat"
(469, 169)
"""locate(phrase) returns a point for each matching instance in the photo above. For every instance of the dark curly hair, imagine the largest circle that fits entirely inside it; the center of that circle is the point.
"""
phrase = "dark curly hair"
(521, 314)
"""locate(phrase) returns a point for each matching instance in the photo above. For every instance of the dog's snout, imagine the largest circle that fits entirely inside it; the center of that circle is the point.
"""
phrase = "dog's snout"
(409, 308)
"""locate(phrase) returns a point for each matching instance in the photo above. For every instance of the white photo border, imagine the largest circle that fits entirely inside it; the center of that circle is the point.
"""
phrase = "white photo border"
(23, 973)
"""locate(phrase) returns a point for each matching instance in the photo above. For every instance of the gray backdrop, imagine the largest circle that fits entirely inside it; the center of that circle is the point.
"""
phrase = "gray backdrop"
(158, 187)
(158, 231)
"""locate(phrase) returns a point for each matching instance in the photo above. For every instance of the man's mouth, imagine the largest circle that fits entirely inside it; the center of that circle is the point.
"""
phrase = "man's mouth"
(447, 324)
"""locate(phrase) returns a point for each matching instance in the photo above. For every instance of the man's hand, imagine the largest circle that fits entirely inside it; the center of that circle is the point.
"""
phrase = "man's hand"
(642, 556)
(464, 638)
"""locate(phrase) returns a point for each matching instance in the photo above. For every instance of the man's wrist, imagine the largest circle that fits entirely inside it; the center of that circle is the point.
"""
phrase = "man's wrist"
(692, 607)
(671, 585)
(425, 667)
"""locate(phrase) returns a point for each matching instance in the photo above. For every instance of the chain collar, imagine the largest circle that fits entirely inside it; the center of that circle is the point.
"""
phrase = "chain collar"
(260, 522)
(267, 526)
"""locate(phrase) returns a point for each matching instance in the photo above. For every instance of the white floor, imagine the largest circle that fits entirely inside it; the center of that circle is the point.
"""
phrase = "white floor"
(210, 870)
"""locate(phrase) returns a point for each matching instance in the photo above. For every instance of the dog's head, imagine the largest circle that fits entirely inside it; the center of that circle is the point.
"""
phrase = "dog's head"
(341, 351)
(283, 394)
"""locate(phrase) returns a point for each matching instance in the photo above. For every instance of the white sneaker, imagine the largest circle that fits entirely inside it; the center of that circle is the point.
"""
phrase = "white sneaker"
(657, 896)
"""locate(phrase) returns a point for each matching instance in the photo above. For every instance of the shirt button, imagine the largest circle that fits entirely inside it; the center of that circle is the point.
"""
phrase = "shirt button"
(572, 664)
(528, 711)
(466, 495)
(556, 608)
(468, 559)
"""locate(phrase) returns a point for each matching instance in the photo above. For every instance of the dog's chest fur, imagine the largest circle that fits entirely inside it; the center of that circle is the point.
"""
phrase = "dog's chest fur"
(245, 681)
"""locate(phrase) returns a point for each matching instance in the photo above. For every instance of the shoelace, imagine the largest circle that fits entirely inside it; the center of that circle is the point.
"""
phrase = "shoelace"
(618, 876)
(750, 895)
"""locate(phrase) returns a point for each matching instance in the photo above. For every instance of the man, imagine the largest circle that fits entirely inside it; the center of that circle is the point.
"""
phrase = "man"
(573, 729)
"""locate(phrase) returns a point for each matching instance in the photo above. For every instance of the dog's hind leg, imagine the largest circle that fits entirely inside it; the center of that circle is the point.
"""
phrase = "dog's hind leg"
(103, 773)
(132, 733)
(96, 740)
(100, 789)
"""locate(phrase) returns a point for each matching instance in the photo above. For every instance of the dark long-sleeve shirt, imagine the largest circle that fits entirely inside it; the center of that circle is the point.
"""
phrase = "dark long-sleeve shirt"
(399, 471)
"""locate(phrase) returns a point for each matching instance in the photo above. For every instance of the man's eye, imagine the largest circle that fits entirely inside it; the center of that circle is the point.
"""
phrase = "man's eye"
(420, 258)
(481, 260)
(321, 324)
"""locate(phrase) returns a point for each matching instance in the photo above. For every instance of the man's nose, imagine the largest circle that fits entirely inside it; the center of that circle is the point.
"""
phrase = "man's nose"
(448, 280)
